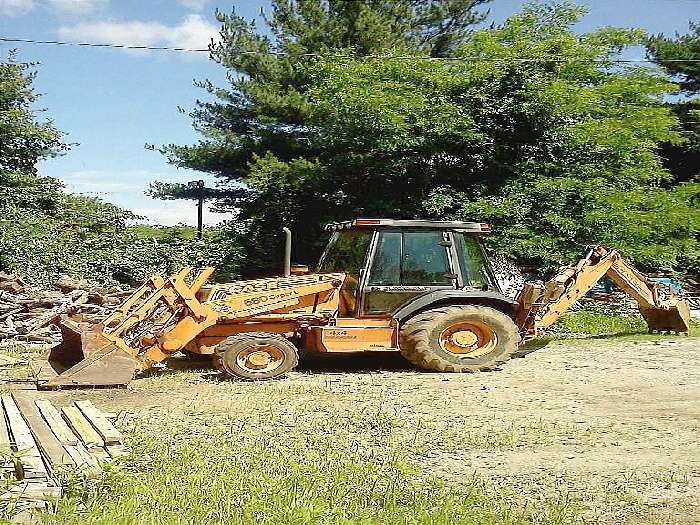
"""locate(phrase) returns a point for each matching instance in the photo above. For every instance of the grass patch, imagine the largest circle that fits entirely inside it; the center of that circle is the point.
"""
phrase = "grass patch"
(585, 322)
(596, 323)
(199, 472)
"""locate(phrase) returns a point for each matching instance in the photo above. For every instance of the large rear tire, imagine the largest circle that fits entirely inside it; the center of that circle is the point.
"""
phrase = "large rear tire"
(459, 338)
(255, 356)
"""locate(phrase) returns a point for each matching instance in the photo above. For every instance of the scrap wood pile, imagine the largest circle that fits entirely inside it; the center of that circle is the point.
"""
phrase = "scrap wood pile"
(30, 314)
(39, 441)
(608, 303)
(617, 302)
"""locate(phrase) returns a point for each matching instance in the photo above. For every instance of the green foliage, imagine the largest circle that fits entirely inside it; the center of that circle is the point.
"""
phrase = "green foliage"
(591, 322)
(45, 232)
(679, 49)
(596, 323)
(536, 130)
(670, 53)
(257, 132)
(84, 237)
(23, 140)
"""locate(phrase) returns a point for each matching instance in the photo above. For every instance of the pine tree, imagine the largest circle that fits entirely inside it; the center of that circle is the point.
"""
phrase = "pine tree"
(680, 57)
(265, 111)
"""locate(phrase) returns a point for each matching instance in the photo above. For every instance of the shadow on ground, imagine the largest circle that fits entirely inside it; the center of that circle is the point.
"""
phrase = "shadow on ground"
(532, 346)
(367, 362)
(355, 362)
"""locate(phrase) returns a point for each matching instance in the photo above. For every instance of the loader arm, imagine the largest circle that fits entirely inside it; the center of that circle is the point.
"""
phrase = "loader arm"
(540, 306)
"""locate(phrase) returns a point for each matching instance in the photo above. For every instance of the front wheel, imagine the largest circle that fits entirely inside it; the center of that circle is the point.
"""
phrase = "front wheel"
(459, 338)
(255, 356)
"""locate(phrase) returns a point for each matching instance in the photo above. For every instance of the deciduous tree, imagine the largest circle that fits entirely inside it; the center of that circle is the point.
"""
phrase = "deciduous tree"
(680, 57)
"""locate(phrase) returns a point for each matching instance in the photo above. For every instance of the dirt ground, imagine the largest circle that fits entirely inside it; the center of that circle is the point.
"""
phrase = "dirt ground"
(611, 425)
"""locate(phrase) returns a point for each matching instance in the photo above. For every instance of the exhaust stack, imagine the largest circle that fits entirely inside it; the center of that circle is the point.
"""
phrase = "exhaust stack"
(287, 251)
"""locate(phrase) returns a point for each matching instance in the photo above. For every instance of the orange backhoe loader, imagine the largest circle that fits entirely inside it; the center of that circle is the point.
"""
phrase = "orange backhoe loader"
(422, 288)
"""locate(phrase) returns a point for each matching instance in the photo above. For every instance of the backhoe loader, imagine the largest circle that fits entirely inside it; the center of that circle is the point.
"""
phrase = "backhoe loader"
(422, 288)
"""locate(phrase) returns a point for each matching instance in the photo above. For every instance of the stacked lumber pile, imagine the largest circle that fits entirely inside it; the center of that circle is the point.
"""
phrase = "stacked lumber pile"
(30, 314)
(38, 441)
(618, 302)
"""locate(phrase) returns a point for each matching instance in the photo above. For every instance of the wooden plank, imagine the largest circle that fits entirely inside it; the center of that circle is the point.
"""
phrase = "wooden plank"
(58, 426)
(46, 440)
(100, 453)
(31, 490)
(26, 497)
(32, 464)
(117, 451)
(4, 432)
(82, 427)
(84, 460)
(6, 465)
(104, 426)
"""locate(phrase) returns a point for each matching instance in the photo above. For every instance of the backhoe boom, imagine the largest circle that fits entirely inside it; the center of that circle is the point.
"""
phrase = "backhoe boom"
(540, 306)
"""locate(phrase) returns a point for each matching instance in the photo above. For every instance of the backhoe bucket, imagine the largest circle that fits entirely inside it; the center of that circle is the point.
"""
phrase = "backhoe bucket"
(84, 358)
(674, 317)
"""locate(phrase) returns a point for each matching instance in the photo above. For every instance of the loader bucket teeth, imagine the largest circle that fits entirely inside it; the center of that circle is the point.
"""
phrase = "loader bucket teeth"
(673, 318)
(84, 358)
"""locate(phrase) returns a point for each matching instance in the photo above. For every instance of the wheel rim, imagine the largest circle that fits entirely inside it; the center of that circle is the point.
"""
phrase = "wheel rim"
(468, 339)
(260, 358)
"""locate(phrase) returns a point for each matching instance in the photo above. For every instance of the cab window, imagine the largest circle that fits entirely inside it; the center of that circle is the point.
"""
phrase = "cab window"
(386, 267)
(424, 259)
(346, 252)
(410, 259)
(472, 261)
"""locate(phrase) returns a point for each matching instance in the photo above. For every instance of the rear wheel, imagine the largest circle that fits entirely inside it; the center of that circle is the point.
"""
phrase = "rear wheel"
(255, 355)
(459, 338)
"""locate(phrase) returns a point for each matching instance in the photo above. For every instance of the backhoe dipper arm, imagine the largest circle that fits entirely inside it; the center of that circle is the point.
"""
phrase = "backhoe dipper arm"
(541, 306)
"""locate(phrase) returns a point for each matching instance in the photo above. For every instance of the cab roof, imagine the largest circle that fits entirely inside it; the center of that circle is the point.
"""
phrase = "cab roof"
(476, 227)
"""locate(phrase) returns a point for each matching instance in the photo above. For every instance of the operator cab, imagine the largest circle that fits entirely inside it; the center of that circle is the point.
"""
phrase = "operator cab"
(388, 262)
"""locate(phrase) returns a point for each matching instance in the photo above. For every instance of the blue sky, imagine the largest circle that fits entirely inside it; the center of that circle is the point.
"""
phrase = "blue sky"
(112, 102)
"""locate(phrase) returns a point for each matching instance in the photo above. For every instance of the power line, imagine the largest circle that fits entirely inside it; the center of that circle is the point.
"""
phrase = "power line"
(394, 57)
(90, 44)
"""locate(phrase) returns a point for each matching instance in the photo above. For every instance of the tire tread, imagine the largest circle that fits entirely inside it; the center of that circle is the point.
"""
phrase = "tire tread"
(415, 344)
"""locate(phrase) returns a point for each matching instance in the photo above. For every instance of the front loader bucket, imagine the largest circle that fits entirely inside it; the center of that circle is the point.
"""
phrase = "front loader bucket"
(673, 317)
(85, 357)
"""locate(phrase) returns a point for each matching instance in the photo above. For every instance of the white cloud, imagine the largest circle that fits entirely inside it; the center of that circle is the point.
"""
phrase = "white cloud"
(15, 7)
(104, 185)
(194, 5)
(78, 6)
(194, 32)
(20, 7)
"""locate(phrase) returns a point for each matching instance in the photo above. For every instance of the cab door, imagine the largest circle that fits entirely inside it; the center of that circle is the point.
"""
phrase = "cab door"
(404, 264)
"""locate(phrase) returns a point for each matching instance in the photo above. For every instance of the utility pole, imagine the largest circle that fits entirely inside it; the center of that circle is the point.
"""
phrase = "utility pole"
(199, 184)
